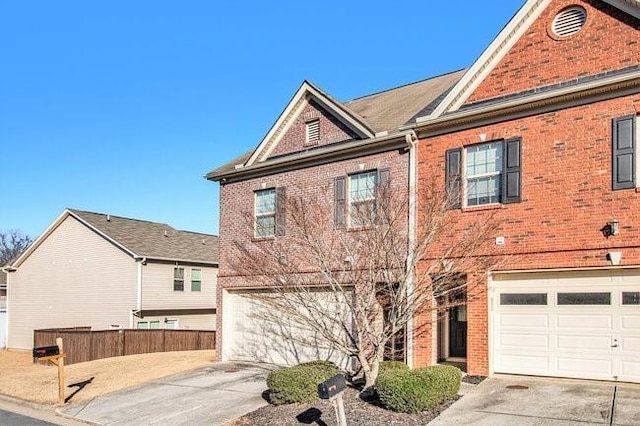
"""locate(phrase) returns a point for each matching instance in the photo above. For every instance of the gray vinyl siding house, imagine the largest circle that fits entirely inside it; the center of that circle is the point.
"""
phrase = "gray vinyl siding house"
(103, 271)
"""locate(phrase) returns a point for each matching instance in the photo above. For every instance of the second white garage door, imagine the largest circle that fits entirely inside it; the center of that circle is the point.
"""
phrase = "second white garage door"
(579, 325)
(255, 332)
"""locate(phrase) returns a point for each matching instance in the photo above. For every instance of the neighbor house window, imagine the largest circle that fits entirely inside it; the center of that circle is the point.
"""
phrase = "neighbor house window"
(265, 213)
(196, 280)
(313, 132)
(486, 173)
(149, 325)
(178, 279)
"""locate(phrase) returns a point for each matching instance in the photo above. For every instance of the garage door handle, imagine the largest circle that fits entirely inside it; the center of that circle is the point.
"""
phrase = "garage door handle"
(615, 345)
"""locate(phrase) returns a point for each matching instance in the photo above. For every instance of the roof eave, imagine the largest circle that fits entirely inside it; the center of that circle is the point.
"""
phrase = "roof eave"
(352, 147)
(528, 103)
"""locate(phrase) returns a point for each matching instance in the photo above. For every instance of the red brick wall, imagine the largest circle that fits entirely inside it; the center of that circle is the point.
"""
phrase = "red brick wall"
(238, 198)
(567, 198)
(331, 130)
(608, 41)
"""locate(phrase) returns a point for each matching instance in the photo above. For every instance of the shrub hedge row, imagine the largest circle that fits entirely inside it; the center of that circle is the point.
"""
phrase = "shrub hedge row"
(299, 383)
(415, 391)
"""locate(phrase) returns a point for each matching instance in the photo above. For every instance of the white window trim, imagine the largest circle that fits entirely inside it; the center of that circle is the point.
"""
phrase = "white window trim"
(465, 177)
(349, 200)
(173, 282)
(191, 280)
(257, 215)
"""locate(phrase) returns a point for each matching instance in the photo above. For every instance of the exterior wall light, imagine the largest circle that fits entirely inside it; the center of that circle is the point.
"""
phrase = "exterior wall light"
(611, 228)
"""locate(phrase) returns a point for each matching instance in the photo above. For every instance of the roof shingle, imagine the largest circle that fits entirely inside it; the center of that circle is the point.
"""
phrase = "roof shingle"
(153, 240)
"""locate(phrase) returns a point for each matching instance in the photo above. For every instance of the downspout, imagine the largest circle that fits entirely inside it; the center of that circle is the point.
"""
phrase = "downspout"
(140, 262)
(411, 139)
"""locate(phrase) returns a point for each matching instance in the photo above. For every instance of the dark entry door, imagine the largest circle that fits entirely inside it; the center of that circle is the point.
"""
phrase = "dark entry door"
(458, 332)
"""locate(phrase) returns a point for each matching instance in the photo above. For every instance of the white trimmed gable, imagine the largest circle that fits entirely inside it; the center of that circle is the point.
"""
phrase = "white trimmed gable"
(307, 93)
(501, 45)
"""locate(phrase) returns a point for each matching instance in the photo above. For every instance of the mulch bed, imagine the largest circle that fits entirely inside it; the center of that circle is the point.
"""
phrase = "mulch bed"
(358, 412)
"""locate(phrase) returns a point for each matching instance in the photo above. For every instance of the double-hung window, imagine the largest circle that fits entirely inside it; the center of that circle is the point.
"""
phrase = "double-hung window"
(178, 279)
(483, 178)
(265, 213)
(362, 198)
(356, 198)
(196, 280)
(486, 173)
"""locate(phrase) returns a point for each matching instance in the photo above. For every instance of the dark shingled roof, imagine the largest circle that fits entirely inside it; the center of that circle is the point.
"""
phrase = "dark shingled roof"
(153, 240)
(384, 111)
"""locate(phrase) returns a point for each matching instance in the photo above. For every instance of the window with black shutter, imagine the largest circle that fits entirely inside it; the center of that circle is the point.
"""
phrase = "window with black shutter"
(489, 172)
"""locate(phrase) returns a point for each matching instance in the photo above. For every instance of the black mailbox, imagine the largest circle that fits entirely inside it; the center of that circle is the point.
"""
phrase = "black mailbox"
(332, 387)
(45, 351)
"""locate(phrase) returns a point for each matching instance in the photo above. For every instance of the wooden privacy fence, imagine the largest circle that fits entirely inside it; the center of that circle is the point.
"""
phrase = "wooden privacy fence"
(81, 344)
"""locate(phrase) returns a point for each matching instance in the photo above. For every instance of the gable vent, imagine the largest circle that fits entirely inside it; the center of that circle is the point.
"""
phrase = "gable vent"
(569, 21)
(313, 131)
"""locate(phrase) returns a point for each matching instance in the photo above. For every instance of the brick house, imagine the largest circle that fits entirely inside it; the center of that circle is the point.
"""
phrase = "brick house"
(542, 132)
(318, 143)
(539, 133)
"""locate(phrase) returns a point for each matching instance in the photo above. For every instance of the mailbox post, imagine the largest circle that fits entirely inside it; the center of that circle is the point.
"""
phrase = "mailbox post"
(55, 354)
(332, 390)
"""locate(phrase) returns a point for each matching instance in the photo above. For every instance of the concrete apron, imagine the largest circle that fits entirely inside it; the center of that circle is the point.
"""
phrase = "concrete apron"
(210, 395)
(522, 401)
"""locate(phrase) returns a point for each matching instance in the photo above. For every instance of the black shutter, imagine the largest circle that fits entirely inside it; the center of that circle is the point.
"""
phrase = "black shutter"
(623, 152)
(340, 202)
(512, 173)
(452, 178)
(281, 210)
(384, 178)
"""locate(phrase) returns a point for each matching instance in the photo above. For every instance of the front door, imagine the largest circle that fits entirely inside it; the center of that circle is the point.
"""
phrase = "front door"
(458, 332)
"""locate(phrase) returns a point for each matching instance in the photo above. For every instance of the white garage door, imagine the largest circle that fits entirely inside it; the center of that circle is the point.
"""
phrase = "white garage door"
(567, 325)
(256, 332)
(3, 329)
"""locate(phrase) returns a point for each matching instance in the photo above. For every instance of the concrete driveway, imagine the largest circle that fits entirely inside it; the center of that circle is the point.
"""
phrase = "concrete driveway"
(523, 401)
(207, 396)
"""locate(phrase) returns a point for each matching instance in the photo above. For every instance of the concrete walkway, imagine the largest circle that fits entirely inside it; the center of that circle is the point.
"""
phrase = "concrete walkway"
(212, 395)
(528, 401)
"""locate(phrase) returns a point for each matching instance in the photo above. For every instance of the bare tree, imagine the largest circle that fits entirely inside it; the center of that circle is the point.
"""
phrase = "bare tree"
(12, 244)
(358, 288)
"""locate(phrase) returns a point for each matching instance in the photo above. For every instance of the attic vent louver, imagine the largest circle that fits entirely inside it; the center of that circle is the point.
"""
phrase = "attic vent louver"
(569, 21)
(313, 132)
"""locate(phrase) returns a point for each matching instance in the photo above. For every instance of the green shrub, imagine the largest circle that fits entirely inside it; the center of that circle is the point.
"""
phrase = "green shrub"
(299, 383)
(392, 365)
(415, 391)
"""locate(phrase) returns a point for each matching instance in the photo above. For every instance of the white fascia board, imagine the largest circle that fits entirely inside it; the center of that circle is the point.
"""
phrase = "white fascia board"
(490, 58)
(40, 240)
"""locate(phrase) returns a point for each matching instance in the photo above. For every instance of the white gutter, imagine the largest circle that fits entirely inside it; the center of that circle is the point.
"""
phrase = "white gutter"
(411, 140)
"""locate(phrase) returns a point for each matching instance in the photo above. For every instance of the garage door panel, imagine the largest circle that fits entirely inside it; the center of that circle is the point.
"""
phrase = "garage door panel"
(254, 331)
(585, 366)
(593, 322)
(630, 322)
(533, 321)
(585, 343)
(586, 324)
(527, 364)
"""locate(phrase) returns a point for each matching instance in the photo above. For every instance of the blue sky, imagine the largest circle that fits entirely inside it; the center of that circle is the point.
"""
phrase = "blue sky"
(122, 107)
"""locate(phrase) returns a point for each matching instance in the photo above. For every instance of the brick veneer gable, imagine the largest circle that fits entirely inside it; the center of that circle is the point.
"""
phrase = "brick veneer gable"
(331, 130)
(610, 40)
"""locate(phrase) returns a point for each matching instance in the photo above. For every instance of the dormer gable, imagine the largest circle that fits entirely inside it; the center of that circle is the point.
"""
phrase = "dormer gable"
(312, 118)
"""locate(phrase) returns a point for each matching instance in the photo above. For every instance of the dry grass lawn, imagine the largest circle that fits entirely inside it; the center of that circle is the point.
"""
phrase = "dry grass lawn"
(21, 378)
